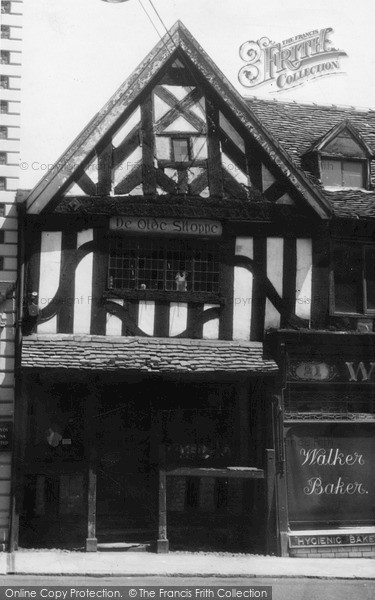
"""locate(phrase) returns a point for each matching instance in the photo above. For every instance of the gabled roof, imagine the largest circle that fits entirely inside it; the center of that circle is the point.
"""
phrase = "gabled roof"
(178, 43)
(298, 127)
(344, 126)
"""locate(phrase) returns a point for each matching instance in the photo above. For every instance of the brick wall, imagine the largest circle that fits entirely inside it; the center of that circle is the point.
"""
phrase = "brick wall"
(352, 551)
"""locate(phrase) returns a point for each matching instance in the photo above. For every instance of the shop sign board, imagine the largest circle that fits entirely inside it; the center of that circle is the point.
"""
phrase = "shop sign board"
(315, 540)
(6, 429)
(166, 226)
(331, 473)
(350, 371)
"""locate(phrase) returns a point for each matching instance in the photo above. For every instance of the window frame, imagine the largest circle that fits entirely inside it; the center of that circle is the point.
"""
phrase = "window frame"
(341, 159)
(4, 79)
(5, 32)
(4, 6)
(366, 312)
(164, 294)
(186, 138)
(5, 57)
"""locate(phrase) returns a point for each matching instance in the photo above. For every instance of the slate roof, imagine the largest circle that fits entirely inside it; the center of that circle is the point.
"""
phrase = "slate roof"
(147, 355)
(297, 127)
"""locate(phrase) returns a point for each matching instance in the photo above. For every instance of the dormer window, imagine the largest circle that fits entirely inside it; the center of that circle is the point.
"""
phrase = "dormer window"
(341, 158)
(343, 173)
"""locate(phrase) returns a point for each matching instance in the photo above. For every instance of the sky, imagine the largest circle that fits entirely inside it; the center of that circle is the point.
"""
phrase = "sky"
(76, 53)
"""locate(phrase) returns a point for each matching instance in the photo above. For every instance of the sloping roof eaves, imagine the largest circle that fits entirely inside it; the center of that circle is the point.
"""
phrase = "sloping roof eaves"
(149, 355)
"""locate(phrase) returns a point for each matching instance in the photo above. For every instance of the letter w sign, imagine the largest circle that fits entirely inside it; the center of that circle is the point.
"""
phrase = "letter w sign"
(360, 372)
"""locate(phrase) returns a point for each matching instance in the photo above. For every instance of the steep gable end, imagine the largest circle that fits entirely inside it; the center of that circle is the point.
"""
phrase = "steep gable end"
(175, 127)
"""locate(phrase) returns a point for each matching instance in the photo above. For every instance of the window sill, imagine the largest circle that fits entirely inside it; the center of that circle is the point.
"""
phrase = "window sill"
(166, 296)
(342, 188)
(369, 315)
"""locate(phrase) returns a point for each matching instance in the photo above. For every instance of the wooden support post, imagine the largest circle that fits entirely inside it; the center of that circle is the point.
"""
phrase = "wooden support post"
(270, 508)
(103, 187)
(148, 148)
(99, 282)
(91, 409)
(282, 514)
(18, 459)
(162, 545)
(91, 540)
(242, 390)
(215, 174)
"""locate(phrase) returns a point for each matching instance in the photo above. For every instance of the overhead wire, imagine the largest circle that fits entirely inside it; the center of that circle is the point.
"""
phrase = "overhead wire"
(188, 67)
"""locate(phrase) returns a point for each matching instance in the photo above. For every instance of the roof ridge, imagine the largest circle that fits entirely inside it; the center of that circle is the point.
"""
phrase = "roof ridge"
(347, 107)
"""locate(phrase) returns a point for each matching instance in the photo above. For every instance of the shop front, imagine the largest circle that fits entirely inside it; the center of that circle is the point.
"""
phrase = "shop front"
(328, 487)
(98, 443)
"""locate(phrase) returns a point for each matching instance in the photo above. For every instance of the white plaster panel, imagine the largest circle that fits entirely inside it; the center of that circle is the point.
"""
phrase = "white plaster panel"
(242, 292)
(275, 249)
(177, 318)
(211, 328)
(146, 316)
(83, 286)
(114, 324)
(303, 278)
(50, 259)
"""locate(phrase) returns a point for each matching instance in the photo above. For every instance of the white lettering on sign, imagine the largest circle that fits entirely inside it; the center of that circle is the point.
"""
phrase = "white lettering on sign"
(197, 227)
(331, 540)
(321, 456)
(360, 372)
(315, 486)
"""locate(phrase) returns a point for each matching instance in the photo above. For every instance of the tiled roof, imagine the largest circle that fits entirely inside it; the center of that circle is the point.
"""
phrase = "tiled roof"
(297, 127)
(149, 355)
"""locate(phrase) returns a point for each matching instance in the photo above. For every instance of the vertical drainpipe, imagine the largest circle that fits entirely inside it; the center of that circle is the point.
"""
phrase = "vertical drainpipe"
(18, 401)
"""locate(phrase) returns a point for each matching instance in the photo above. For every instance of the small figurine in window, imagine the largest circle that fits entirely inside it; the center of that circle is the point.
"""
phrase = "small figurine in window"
(181, 283)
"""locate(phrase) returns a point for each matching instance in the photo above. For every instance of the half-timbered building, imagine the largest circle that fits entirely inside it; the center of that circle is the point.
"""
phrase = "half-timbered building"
(182, 225)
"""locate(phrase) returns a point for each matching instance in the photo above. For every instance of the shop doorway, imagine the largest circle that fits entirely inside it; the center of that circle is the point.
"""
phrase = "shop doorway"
(126, 469)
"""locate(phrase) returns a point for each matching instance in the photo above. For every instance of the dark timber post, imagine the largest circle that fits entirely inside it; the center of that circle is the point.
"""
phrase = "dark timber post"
(270, 509)
(19, 448)
(162, 545)
(281, 489)
(92, 461)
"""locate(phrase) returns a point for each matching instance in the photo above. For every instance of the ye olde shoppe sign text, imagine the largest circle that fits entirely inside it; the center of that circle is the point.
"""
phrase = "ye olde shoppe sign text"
(156, 225)
(331, 472)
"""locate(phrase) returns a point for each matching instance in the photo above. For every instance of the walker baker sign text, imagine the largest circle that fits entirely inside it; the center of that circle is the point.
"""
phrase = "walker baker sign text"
(149, 225)
(331, 473)
(291, 62)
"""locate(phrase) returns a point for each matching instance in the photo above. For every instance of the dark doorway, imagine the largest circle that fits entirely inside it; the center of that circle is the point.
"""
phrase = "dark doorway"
(127, 472)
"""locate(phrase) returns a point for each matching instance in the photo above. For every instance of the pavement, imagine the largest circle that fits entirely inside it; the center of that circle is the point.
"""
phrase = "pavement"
(60, 562)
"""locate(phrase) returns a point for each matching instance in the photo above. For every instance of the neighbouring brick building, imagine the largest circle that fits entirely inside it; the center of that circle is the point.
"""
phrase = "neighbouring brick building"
(10, 90)
(197, 353)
